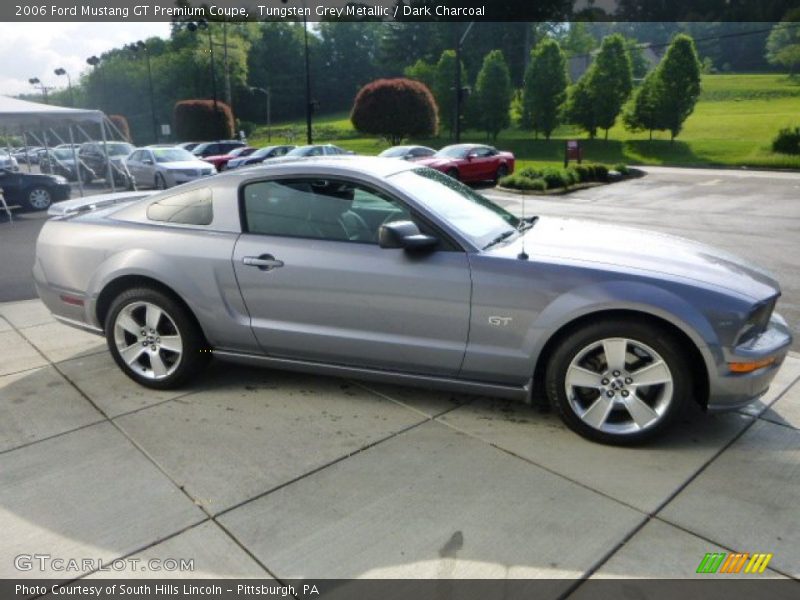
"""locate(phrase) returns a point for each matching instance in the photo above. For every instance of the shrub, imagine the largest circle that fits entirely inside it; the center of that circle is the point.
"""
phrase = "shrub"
(121, 123)
(571, 174)
(395, 108)
(584, 173)
(247, 126)
(622, 169)
(197, 120)
(599, 172)
(787, 141)
(518, 181)
(555, 178)
(530, 173)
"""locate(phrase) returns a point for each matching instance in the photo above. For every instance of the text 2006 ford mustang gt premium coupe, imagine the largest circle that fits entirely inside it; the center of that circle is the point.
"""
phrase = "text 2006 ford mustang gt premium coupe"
(378, 269)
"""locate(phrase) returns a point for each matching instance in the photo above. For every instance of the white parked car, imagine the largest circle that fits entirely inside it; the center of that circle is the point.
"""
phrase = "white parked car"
(162, 168)
(7, 161)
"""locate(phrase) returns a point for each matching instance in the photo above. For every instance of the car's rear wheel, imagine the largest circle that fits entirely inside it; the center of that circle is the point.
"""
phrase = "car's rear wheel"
(153, 339)
(502, 171)
(38, 198)
(452, 173)
(618, 382)
(161, 183)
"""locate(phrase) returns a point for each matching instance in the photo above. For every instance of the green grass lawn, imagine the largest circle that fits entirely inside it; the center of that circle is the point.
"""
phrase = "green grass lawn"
(733, 124)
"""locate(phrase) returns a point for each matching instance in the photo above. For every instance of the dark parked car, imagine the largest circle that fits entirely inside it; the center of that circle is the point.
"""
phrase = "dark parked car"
(33, 192)
(408, 152)
(59, 161)
(259, 156)
(92, 157)
(216, 148)
(471, 162)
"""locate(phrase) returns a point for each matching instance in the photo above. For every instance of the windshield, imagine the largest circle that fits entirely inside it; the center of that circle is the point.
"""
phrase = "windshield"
(301, 151)
(396, 151)
(475, 217)
(453, 151)
(119, 149)
(63, 153)
(165, 155)
(262, 152)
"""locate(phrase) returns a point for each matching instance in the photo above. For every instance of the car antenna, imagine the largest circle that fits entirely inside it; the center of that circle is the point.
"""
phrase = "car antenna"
(522, 254)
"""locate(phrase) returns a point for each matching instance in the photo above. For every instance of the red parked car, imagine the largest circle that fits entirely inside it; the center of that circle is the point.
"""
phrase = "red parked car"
(220, 161)
(471, 162)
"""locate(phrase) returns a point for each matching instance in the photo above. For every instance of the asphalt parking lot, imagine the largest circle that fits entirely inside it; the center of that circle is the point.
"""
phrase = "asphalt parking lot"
(256, 473)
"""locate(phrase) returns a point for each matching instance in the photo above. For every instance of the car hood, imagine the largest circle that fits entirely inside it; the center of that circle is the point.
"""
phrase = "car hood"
(434, 161)
(639, 249)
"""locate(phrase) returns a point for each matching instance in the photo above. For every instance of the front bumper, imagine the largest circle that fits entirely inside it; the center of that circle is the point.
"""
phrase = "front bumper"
(729, 390)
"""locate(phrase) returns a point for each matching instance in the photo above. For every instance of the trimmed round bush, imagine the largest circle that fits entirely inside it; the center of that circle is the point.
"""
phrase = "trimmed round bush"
(395, 108)
(518, 181)
(622, 169)
(121, 123)
(197, 120)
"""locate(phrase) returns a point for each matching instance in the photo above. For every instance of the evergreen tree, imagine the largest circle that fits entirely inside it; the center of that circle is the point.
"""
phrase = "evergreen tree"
(443, 84)
(679, 84)
(642, 114)
(611, 81)
(579, 108)
(545, 87)
(493, 94)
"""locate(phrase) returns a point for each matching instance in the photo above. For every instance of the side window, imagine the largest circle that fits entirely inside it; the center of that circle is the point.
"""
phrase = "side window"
(483, 152)
(324, 209)
(316, 151)
(137, 156)
(193, 207)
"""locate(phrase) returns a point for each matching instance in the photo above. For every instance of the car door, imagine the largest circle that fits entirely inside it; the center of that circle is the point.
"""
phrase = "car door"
(318, 286)
(134, 166)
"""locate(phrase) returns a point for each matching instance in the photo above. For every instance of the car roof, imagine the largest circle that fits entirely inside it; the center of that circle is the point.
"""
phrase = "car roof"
(337, 165)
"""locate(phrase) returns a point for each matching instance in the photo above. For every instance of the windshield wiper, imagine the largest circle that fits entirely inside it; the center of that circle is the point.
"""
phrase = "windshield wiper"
(525, 224)
(503, 236)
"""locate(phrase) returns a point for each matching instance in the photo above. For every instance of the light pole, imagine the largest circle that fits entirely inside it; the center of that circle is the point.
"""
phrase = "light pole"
(459, 89)
(268, 93)
(140, 46)
(309, 106)
(60, 72)
(194, 26)
(34, 81)
(95, 62)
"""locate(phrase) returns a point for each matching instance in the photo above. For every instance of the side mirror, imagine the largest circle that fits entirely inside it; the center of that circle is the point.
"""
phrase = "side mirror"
(404, 234)
(472, 155)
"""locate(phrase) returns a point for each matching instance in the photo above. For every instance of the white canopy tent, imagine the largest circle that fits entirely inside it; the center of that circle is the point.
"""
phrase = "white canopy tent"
(21, 117)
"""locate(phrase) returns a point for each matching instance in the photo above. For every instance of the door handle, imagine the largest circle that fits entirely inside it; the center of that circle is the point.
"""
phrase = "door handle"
(265, 262)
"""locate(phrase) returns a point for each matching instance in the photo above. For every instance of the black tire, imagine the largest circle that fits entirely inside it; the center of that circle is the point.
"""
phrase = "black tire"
(160, 182)
(502, 171)
(575, 344)
(178, 370)
(38, 198)
(453, 173)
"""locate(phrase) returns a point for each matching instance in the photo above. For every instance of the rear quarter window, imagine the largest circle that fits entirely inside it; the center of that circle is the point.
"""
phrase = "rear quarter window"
(193, 207)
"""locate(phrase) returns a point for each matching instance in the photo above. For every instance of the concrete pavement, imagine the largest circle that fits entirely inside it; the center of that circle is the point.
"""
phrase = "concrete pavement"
(257, 473)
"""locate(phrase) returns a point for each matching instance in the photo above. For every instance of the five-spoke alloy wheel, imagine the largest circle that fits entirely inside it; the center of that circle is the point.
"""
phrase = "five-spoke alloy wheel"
(153, 339)
(618, 382)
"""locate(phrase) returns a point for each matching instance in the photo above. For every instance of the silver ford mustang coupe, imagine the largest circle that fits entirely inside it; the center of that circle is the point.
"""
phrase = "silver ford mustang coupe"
(382, 270)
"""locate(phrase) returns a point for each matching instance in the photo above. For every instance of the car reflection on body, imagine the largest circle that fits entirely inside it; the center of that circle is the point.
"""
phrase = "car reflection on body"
(162, 168)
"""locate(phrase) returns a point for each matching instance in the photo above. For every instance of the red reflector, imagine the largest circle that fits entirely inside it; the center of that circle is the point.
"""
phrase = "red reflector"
(74, 300)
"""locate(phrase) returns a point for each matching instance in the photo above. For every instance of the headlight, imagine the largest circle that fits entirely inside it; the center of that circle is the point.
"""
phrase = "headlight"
(757, 322)
(60, 180)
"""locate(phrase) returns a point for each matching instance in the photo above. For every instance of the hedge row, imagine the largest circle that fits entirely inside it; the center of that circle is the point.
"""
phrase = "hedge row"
(551, 178)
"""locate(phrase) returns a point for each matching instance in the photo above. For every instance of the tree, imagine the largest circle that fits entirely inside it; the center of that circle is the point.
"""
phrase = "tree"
(579, 108)
(610, 81)
(443, 91)
(642, 114)
(783, 43)
(395, 108)
(198, 120)
(493, 94)
(679, 84)
(545, 87)
(422, 71)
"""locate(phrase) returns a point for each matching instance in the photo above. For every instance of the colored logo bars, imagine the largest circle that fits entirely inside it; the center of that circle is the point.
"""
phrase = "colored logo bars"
(721, 562)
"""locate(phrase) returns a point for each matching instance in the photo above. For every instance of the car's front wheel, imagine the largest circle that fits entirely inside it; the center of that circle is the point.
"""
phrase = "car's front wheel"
(153, 339)
(618, 382)
(38, 198)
